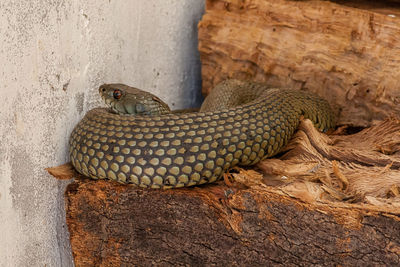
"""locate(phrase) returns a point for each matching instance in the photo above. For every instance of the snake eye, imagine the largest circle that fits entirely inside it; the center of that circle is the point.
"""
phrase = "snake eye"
(117, 94)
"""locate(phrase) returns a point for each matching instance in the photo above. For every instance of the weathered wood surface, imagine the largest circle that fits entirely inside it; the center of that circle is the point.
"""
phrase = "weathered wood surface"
(115, 225)
(326, 201)
(349, 54)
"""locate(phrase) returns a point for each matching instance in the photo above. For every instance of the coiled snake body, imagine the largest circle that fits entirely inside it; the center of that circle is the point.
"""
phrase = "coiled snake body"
(184, 149)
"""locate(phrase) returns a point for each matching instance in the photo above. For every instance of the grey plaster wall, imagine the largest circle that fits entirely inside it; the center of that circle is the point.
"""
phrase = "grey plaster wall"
(54, 54)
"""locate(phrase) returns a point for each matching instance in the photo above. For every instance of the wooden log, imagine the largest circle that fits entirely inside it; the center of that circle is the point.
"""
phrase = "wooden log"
(347, 53)
(114, 225)
(306, 208)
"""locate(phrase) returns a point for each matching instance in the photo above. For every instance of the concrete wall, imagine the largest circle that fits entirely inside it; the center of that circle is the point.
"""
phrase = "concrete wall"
(54, 54)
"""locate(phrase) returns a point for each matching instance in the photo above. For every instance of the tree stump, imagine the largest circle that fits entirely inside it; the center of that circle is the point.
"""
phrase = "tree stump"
(325, 200)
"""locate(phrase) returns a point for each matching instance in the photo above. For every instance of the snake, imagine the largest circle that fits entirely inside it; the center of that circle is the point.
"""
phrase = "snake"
(138, 140)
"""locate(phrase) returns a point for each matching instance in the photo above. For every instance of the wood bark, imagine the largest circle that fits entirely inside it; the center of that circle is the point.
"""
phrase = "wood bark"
(114, 225)
(348, 53)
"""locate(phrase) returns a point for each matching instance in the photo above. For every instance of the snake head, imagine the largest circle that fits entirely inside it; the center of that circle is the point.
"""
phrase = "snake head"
(124, 99)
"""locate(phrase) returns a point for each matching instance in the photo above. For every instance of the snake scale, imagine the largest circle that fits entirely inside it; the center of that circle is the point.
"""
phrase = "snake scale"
(240, 123)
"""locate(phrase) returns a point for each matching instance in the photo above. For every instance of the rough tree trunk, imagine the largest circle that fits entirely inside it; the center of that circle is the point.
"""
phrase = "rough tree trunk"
(324, 201)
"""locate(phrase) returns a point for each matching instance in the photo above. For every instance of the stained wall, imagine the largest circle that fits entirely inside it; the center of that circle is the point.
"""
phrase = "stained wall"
(54, 54)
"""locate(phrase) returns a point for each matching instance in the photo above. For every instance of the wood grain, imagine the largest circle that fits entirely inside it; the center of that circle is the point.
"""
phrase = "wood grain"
(114, 225)
(349, 54)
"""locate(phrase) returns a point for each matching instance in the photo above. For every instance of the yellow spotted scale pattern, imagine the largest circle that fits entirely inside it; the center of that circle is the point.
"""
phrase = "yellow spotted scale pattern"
(186, 149)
